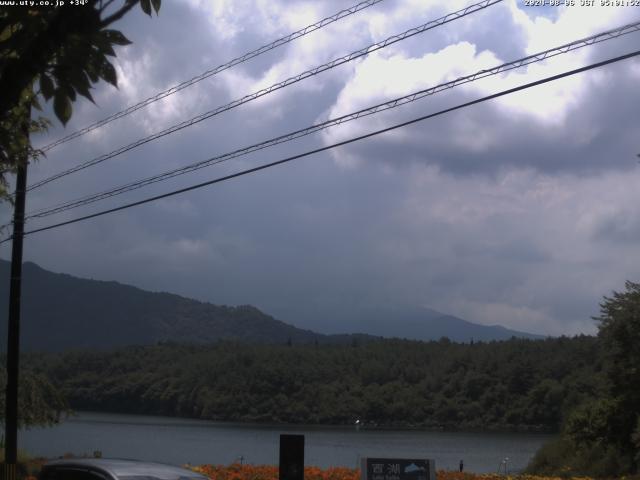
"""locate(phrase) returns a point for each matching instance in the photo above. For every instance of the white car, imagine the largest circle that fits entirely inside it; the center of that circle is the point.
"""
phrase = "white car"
(112, 469)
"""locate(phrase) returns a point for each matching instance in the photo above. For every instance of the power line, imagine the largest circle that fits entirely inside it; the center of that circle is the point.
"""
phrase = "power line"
(537, 57)
(232, 63)
(277, 86)
(338, 144)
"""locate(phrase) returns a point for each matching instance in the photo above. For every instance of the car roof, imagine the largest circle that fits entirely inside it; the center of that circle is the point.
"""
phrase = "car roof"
(126, 468)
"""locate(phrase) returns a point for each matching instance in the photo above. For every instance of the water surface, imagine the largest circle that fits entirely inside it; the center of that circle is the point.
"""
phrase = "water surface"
(179, 441)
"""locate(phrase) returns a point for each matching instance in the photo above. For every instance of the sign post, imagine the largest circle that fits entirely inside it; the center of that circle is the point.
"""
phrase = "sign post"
(291, 457)
(397, 469)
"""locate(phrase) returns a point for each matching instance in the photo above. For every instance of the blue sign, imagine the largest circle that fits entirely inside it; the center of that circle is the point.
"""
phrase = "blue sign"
(397, 469)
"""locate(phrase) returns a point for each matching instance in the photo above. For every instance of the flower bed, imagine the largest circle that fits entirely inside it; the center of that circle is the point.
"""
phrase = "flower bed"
(270, 472)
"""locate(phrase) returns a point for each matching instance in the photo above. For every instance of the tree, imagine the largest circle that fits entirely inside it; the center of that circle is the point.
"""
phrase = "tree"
(65, 51)
(41, 403)
(62, 51)
(619, 332)
(602, 436)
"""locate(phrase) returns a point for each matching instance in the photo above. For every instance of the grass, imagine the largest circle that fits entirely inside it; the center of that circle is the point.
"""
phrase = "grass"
(28, 466)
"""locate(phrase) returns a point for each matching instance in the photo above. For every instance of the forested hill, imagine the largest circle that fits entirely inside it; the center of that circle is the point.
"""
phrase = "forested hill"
(60, 311)
(523, 384)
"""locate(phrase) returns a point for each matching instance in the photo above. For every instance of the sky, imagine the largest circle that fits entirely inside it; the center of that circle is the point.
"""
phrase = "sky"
(522, 211)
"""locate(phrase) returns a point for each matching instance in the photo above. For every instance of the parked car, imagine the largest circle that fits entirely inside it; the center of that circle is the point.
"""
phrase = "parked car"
(112, 469)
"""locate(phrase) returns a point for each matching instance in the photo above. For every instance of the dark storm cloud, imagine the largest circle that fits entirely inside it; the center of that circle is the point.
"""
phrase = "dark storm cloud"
(494, 213)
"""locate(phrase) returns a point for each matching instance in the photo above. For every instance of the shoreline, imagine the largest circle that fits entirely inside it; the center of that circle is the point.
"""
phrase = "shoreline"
(302, 426)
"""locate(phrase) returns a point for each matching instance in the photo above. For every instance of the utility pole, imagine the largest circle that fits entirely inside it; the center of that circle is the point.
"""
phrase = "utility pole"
(13, 336)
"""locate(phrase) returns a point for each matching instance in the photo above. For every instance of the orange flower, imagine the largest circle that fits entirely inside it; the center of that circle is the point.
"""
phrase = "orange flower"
(236, 471)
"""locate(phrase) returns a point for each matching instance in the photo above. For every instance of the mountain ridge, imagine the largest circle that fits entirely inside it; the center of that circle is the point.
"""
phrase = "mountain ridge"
(61, 311)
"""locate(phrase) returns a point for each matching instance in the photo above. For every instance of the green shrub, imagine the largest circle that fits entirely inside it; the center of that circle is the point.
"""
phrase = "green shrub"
(563, 458)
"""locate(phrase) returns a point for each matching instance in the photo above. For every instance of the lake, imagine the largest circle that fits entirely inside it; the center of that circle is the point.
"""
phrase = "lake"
(179, 441)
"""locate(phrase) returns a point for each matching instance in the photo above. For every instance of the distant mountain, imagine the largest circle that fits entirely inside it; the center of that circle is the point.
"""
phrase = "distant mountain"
(421, 323)
(60, 311)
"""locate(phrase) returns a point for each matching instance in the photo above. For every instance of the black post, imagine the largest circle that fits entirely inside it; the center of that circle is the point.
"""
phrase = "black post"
(13, 336)
(291, 457)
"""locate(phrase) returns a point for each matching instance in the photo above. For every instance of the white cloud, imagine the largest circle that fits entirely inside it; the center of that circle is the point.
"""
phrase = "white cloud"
(383, 77)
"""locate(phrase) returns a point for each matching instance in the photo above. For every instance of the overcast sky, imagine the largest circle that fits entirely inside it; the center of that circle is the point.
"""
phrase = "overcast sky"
(522, 211)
